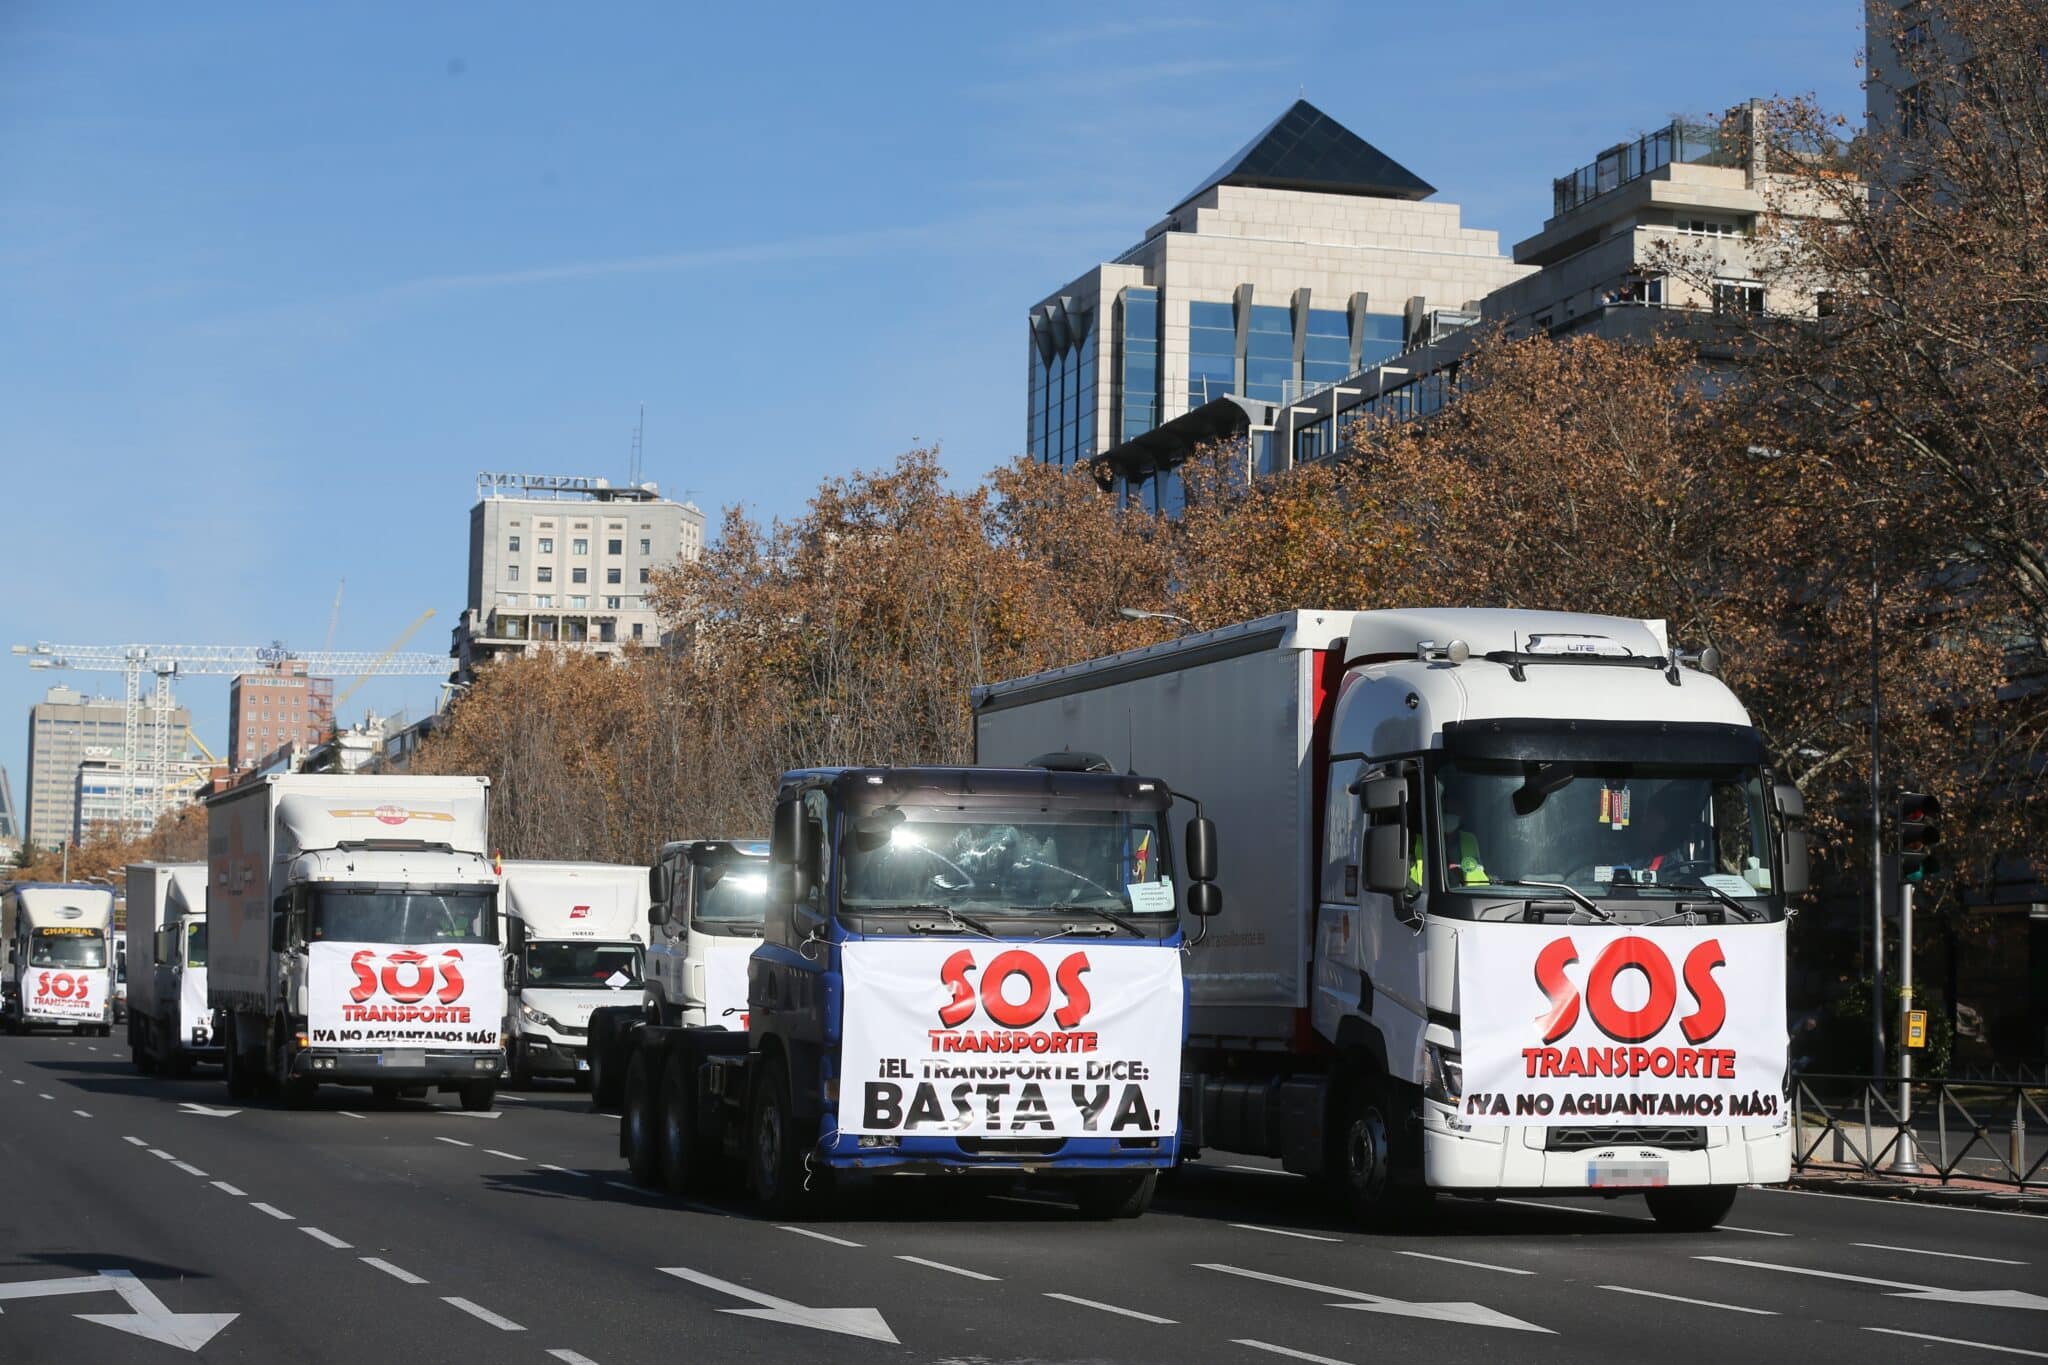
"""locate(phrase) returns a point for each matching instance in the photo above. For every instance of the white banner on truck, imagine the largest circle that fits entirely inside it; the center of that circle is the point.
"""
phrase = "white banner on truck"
(369, 994)
(65, 993)
(725, 982)
(1609, 1025)
(1010, 1040)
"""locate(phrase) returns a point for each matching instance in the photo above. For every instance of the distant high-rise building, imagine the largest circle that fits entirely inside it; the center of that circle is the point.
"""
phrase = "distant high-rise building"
(67, 729)
(278, 706)
(10, 823)
(567, 561)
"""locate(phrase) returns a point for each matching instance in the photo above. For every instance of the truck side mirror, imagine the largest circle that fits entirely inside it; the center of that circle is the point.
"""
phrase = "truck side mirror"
(657, 894)
(1384, 794)
(1201, 854)
(1205, 899)
(786, 852)
(1387, 858)
(1795, 872)
(280, 923)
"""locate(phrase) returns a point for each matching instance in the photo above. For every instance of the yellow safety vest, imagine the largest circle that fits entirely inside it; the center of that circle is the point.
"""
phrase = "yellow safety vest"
(1468, 861)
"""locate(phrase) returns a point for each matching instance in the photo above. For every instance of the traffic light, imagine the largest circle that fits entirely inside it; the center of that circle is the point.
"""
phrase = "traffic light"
(1919, 833)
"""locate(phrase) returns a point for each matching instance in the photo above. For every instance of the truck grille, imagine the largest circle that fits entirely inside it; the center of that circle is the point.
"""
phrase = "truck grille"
(1012, 1146)
(1580, 1139)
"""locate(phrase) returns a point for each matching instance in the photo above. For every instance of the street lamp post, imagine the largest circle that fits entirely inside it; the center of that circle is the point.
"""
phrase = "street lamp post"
(1140, 614)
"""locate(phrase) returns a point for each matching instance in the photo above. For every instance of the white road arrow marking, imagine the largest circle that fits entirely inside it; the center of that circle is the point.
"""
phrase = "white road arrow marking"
(1982, 1298)
(207, 1112)
(151, 1319)
(1468, 1314)
(852, 1322)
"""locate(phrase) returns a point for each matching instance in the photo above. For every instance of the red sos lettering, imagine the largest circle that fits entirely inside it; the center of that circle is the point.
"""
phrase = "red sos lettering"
(1610, 1016)
(1039, 984)
(61, 985)
(407, 976)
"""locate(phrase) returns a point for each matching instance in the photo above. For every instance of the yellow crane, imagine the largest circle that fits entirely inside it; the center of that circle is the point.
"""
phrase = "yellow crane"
(389, 650)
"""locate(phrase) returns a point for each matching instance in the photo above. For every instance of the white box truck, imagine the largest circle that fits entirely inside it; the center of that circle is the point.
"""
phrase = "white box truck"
(170, 1025)
(60, 958)
(1508, 897)
(353, 935)
(574, 931)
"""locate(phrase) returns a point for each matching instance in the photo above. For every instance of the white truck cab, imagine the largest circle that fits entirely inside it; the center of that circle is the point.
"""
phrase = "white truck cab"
(710, 897)
(170, 1025)
(61, 961)
(574, 934)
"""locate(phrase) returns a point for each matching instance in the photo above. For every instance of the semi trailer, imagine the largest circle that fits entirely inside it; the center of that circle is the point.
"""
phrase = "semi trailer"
(60, 962)
(573, 930)
(170, 1025)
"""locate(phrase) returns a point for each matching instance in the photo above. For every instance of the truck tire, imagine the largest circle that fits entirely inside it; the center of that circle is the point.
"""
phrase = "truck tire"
(241, 1076)
(637, 1121)
(607, 1064)
(776, 1149)
(1366, 1154)
(682, 1156)
(1690, 1208)
(522, 1067)
(138, 1046)
(1124, 1195)
(177, 1064)
(478, 1096)
(295, 1092)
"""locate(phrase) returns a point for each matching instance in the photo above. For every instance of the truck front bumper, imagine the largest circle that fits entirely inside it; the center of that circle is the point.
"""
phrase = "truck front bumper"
(552, 1057)
(421, 1067)
(1051, 1157)
(1526, 1157)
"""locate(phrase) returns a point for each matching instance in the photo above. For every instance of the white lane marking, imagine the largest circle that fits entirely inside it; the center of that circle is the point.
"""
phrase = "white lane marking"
(569, 1357)
(558, 1170)
(1894, 1203)
(622, 1185)
(454, 1142)
(1258, 1170)
(189, 1169)
(1476, 1265)
(161, 1155)
(1958, 1341)
(509, 1156)
(1808, 1270)
(1569, 1208)
(949, 1269)
(395, 1272)
(471, 1113)
(1697, 1303)
(17, 1082)
(272, 1210)
(821, 1236)
(81, 1113)
(517, 1099)
(1754, 1232)
(135, 1140)
(90, 1048)
(1288, 1351)
(1286, 1232)
(1112, 1308)
(46, 1095)
(348, 1113)
(226, 1188)
(852, 1322)
(1950, 1255)
(482, 1314)
(328, 1238)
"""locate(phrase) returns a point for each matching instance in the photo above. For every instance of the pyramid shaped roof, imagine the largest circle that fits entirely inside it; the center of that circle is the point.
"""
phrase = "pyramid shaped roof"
(1306, 149)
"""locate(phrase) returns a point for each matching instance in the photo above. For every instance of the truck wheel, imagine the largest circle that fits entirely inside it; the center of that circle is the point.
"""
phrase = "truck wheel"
(176, 1066)
(776, 1149)
(636, 1122)
(1117, 1196)
(1366, 1152)
(522, 1068)
(138, 1047)
(607, 1069)
(241, 1075)
(1691, 1208)
(681, 1159)
(478, 1096)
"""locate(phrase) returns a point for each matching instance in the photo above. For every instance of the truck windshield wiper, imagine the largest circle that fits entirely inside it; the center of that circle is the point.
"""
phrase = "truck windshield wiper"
(1722, 896)
(1120, 921)
(1595, 911)
(959, 921)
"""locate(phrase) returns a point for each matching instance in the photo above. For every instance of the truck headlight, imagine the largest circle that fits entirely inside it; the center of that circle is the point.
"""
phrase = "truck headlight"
(534, 1016)
(1443, 1074)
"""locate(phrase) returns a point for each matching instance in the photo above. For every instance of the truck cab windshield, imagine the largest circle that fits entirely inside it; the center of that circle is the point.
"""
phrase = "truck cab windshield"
(581, 966)
(342, 915)
(67, 950)
(732, 895)
(1045, 861)
(1637, 830)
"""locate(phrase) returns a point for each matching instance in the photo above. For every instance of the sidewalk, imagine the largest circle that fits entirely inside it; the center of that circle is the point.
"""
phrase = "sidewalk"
(1844, 1178)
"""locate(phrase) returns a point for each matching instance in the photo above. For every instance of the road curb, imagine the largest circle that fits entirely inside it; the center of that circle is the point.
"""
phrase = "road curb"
(1917, 1192)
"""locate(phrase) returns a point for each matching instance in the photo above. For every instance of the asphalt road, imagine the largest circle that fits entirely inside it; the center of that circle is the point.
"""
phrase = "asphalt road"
(138, 1218)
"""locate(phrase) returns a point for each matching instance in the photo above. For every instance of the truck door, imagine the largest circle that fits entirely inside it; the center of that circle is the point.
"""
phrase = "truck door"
(784, 977)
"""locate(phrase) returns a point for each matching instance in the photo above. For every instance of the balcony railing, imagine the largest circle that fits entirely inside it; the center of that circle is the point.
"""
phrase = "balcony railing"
(1679, 141)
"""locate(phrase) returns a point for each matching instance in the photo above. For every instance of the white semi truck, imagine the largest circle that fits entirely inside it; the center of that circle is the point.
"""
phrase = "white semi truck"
(60, 957)
(354, 936)
(1509, 895)
(710, 898)
(574, 931)
(170, 1025)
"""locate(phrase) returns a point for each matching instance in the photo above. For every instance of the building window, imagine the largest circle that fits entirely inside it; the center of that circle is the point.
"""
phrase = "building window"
(544, 599)
(1326, 350)
(512, 544)
(578, 603)
(545, 574)
(644, 576)
(636, 630)
(579, 575)
(1711, 227)
(611, 604)
(1738, 296)
(1141, 362)
(615, 547)
(579, 546)
(1269, 353)
(1913, 111)
(613, 576)
(607, 631)
(646, 546)
(1212, 351)
(1384, 335)
(547, 545)
(511, 573)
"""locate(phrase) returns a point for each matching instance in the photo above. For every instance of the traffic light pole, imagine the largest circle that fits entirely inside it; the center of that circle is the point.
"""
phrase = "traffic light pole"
(1905, 1158)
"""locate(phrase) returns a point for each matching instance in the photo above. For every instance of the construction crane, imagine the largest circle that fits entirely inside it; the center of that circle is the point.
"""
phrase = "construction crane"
(165, 662)
(390, 652)
(334, 615)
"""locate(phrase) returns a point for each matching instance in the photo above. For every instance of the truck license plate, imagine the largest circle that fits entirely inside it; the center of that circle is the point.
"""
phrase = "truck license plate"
(1637, 1175)
(402, 1057)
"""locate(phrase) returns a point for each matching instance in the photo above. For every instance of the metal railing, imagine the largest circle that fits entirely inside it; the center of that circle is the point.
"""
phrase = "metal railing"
(1991, 1131)
(1677, 141)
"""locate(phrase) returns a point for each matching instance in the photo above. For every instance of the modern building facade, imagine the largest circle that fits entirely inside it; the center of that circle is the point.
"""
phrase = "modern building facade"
(104, 789)
(1306, 257)
(567, 562)
(280, 705)
(68, 729)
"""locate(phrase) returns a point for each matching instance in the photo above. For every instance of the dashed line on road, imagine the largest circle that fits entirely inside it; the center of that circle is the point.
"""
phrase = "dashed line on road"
(348, 1113)
(272, 1210)
(622, 1185)
(161, 1155)
(189, 1169)
(328, 1238)
(453, 1142)
(820, 1236)
(558, 1170)
(226, 1188)
(481, 1313)
(1287, 1351)
(1113, 1308)
(509, 1156)
(1697, 1303)
(1476, 1265)
(1287, 1232)
(1568, 1208)
(1958, 1341)
(81, 1113)
(135, 1141)
(46, 1094)
(1754, 1232)
(961, 1271)
(1257, 1170)
(1949, 1255)
(398, 1273)
(517, 1099)
(569, 1357)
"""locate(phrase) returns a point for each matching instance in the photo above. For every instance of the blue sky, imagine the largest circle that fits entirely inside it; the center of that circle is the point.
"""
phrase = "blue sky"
(277, 280)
